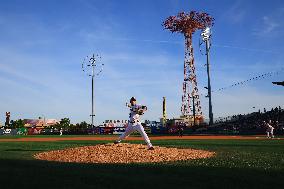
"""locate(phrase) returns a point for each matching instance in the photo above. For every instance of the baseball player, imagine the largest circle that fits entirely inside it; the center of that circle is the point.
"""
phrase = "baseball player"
(269, 129)
(134, 123)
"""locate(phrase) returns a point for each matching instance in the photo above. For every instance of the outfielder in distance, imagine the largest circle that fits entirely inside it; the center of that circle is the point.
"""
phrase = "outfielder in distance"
(134, 123)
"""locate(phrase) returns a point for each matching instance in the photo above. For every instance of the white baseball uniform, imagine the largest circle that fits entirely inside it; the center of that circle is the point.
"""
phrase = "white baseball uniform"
(135, 125)
(269, 131)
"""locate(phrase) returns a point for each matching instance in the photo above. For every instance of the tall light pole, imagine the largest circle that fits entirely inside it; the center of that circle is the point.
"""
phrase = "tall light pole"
(193, 108)
(92, 68)
(206, 34)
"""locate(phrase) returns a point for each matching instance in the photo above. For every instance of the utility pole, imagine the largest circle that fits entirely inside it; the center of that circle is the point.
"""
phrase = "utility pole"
(92, 69)
(193, 102)
(206, 34)
(93, 115)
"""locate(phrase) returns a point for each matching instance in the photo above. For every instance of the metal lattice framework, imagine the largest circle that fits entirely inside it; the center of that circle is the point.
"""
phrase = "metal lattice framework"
(187, 24)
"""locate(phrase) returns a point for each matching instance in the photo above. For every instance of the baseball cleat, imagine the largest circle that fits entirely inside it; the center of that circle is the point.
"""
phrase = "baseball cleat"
(116, 142)
(151, 148)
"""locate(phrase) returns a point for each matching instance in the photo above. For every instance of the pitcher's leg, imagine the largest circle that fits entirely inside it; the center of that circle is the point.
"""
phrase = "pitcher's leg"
(267, 132)
(142, 132)
(129, 129)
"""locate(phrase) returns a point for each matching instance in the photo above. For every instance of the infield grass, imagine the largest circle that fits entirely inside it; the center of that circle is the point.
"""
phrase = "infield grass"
(238, 164)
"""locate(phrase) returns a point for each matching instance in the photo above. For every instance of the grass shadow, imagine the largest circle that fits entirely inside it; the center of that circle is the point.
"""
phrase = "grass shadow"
(34, 173)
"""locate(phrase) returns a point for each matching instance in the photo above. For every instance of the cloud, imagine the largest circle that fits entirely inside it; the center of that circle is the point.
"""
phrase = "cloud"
(236, 13)
(269, 27)
(246, 49)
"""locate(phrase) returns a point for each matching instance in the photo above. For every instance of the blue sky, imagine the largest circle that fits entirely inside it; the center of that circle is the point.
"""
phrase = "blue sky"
(43, 43)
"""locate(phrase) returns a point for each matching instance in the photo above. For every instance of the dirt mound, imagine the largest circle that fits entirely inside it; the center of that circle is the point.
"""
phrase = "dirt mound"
(122, 153)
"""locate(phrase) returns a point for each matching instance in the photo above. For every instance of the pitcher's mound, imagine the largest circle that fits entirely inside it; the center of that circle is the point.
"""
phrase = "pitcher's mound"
(122, 153)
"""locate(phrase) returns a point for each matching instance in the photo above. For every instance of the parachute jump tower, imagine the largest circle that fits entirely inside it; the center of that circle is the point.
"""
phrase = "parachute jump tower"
(187, 24)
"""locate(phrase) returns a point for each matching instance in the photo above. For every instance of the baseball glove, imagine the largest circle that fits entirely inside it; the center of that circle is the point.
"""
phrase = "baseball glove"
(142, 110)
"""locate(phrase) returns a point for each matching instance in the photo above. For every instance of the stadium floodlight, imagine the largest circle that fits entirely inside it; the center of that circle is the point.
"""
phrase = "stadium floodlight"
(206, 35)
(92, 68)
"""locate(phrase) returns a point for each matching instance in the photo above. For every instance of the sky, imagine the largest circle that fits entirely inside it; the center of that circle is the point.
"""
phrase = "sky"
(43, 44)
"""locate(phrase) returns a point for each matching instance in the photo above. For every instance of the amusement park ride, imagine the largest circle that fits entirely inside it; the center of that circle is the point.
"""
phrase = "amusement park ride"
(187, 24)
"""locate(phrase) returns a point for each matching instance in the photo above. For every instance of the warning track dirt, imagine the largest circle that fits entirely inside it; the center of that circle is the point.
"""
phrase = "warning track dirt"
(112, 138)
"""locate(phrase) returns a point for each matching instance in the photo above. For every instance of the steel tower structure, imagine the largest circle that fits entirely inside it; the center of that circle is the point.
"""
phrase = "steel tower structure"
(187, 24)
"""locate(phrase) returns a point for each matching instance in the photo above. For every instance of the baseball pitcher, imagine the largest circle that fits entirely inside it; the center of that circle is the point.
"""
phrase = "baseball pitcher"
(134, 123)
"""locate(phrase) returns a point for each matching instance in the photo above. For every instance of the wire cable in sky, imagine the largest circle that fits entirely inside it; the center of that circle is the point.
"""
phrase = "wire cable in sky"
(258, 77)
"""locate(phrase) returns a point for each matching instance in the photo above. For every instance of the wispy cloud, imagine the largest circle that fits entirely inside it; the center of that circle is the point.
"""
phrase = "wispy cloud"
(268, 27)
(246, 49)
(236, 13)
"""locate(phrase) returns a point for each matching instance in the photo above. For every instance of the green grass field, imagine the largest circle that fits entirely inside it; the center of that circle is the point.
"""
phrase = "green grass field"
(238, 164)
(52, 136)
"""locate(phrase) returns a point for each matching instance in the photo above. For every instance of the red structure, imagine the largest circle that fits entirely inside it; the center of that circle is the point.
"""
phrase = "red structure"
(187, 24)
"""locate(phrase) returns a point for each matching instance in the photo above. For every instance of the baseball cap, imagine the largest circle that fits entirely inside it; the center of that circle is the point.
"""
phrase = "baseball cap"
(132, 99)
